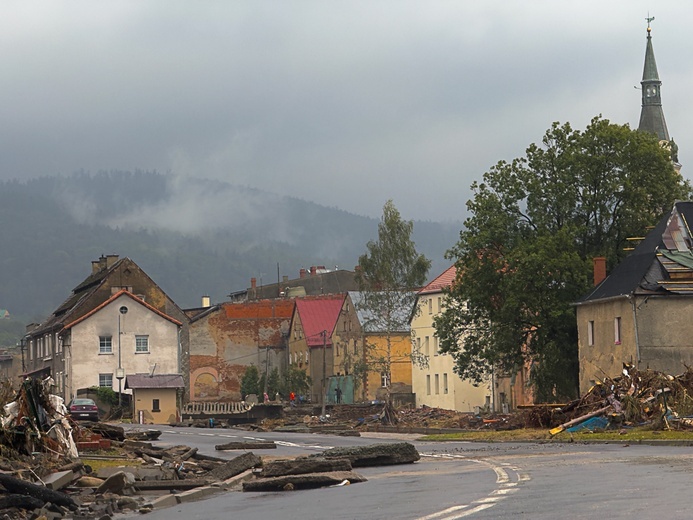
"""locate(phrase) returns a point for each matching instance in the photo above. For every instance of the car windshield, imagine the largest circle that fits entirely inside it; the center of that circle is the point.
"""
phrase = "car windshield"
(82, 402)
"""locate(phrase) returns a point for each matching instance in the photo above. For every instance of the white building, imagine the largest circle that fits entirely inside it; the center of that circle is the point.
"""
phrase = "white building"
(122, 336)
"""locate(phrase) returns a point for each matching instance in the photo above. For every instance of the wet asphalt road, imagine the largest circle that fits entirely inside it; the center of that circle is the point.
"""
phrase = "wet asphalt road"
(461, 480)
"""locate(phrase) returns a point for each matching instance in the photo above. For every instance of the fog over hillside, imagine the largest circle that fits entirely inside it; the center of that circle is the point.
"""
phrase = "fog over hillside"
(192, 237)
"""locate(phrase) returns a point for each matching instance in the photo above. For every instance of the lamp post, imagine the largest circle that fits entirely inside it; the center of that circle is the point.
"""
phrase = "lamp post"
(120, 373)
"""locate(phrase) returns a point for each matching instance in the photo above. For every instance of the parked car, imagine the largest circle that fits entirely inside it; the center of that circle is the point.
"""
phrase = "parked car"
(81, 409)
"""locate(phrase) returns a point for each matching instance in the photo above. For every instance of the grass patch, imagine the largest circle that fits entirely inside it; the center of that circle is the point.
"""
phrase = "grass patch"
(524, 435)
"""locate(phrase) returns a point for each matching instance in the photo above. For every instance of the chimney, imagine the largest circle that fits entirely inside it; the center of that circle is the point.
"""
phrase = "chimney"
(313, 269)
(110, 260)
(285, 278)
(205, 302)
(98, 265)
(253, 283)
(599, 264)
(302, 273)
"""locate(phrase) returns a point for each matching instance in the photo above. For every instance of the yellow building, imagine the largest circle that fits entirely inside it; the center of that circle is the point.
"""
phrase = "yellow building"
(154, 397)
(388, 367)
(436, 384)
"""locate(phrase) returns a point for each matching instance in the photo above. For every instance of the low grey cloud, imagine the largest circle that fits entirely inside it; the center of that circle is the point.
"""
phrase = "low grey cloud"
(346, 104)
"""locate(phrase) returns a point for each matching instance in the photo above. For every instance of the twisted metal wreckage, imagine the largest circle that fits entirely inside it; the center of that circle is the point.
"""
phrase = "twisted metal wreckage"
(37, 421)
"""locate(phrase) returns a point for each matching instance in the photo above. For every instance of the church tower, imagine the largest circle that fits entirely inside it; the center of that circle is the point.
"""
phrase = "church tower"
(651, 115)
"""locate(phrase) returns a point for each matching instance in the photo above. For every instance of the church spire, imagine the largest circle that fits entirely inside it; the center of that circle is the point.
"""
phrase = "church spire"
(652, 116)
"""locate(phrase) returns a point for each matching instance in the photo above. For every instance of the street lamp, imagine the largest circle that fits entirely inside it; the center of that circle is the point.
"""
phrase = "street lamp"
(120, 373)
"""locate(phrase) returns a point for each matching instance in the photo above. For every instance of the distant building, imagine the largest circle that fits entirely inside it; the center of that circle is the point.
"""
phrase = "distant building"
(311, 282)
(651, 114)
(78, 344)
(226, 338)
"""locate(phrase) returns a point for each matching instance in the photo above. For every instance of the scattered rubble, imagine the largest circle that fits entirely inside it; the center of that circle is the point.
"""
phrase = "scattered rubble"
(645, 398)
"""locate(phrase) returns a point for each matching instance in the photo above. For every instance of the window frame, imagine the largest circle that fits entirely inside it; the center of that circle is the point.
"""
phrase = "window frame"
(105, 345)
(138, 349)
(103, 377)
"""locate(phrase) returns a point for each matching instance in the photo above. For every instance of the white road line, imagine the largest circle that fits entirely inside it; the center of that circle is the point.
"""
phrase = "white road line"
(443, 512)
(506, 487)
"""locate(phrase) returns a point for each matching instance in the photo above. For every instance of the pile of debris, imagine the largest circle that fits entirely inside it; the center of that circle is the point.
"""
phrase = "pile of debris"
(151, 477)
(635, 398)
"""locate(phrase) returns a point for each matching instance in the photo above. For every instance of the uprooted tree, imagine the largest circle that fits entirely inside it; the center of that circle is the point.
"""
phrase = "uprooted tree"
(525, 253)
(388, 275)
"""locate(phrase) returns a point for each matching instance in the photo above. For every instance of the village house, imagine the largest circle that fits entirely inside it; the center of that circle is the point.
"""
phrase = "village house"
(117, 305)
(638, 314)
(436, 384)
(316, 346)
(226, 338)
(374, 337)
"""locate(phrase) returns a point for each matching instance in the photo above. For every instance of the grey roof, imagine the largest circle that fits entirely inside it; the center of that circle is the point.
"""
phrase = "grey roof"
(371, 323)
(330, 282)
(661, 264)
(154, 381)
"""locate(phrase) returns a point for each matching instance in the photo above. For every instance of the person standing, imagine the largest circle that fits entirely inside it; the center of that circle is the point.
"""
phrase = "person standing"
(338, 394)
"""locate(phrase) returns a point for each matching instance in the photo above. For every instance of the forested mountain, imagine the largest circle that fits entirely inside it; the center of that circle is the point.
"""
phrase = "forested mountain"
(193, 237)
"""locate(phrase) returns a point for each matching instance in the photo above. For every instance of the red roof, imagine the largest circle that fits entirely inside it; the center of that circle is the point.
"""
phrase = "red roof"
(115, 297)
(441, 281)
(318, 315)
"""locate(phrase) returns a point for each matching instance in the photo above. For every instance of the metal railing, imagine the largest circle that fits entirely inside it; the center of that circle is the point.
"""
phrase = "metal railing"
(215, 408)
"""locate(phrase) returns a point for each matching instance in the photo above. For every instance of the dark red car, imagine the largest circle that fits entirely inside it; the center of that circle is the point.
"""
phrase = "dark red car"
(84, 409)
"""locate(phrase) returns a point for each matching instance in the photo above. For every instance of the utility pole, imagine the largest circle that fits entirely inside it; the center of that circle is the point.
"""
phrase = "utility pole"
(324, 369)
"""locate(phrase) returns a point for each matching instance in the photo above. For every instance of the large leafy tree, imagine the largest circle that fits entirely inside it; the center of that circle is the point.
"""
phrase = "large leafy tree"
(388, 275)
(525, 254)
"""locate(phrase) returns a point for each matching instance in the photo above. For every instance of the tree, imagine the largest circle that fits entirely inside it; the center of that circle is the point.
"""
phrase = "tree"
(250, 383)
(526, 251)
(295, 380)
(388, 275)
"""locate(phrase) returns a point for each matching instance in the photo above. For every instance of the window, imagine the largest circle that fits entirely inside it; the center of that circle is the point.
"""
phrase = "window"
(428, 385)
(418, 344)
(437, 384)
(426, 349)
(384, 380)
(336, 349)
(617, 330)
(430, 306)
(440, 303)
(355, 347)
(106, 380)
(445, 383)
(155, 405)
(141, 344)
(105, 345)
(435, 345)
(590, 333)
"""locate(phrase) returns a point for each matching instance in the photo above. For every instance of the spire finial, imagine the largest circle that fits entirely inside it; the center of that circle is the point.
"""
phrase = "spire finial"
(649, 19)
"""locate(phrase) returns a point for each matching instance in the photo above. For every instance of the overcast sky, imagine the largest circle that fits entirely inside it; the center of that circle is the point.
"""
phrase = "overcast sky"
(344, 103)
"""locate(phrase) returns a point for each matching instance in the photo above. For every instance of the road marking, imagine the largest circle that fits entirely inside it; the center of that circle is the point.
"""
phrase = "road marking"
(507, 482)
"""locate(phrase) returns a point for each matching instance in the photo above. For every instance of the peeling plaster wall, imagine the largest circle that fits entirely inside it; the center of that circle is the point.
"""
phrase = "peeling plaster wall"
(606, 356)
(224, 343)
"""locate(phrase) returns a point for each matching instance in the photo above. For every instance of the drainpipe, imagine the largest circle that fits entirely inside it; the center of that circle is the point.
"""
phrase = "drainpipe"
(631, 297)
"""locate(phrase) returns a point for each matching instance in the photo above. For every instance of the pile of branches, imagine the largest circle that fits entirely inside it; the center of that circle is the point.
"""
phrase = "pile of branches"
(634, 398)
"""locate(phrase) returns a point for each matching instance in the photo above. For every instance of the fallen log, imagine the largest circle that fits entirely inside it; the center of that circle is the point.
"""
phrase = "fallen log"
(303, 465)
(23, 487)
(20, 501)
(306, 481)
(374, 454)
(252, 445)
